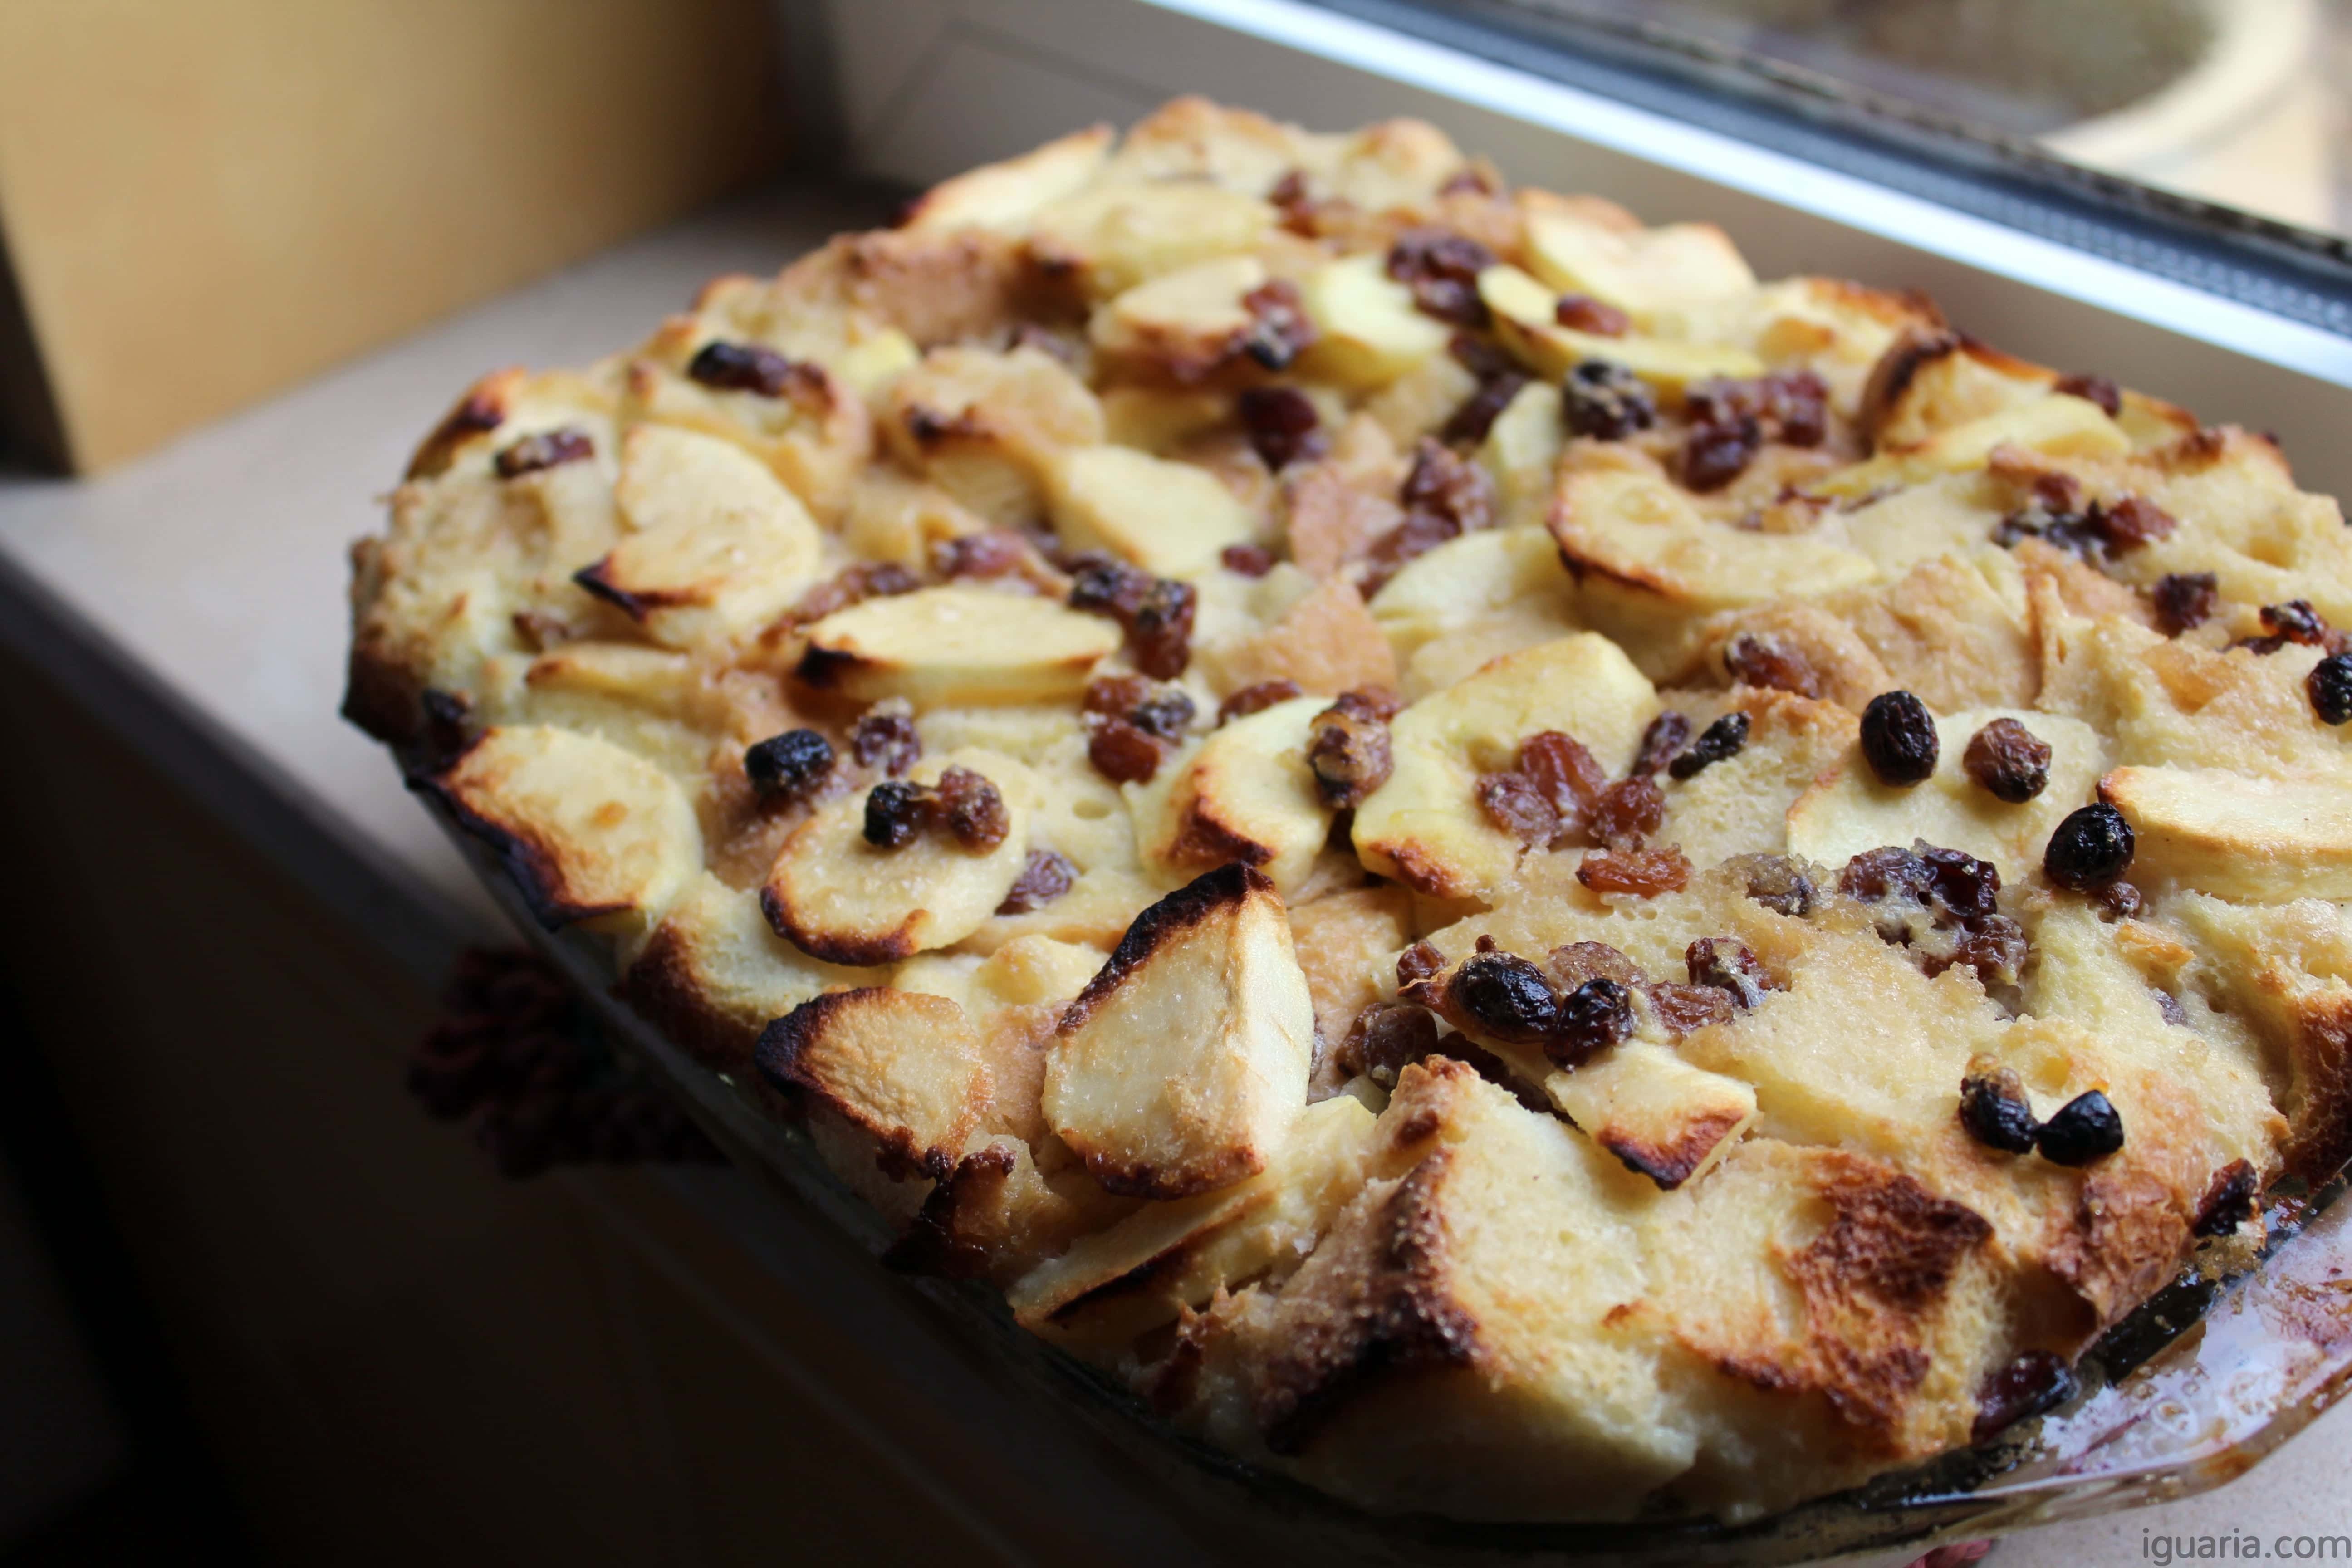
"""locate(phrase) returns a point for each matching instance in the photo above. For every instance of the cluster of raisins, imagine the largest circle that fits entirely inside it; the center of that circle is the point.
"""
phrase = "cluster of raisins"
(1132, 723)
(2094, 531)
(963, 806)
(1442, 269)
(1942, 905)
(1279, 330)
(1731, 421)
(1348, 747)
(1282, 425)
(1996, 1113)
(1156, 612)
(1445, 496)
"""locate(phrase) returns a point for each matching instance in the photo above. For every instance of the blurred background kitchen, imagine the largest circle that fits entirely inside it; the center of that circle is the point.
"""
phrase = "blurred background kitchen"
(204, 204)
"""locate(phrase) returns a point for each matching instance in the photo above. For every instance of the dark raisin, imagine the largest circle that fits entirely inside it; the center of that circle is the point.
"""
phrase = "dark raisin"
(973, 809)
(2185, 600)
(2118, 900)
(1160, 638)
(1994, 1109)
(740, 367)
(1165, 715)
(1386, 1039)
(1247, 560)
(1628, 812)
(548, 449)
(2090, 849)
(1715, 454)
(1959, 881)
(1417, 535)
(2035, 1380)
(788, 766)
(2228, 1200)
(989, 553)
(1889, 872)
(1645, 873)
(1780, 885)
(1480, 357)
(1477, 415)
(1257, 698)
(2084, 1129)
(1045, 876)
(1506, 997)
(1898, 739)
(2097, 388)
(2132, 523)
(1660, 741)
(1718, 743)
(2329, 685)
(1569, 775)
(2007, 761)
(886, 740)
(895, 812)
(1607, 402)
(854, 584)
(1764, 660)
(1728, 966)
(1280, 329)
(1418, 962)
(1121, 752)
(1685, 1008)
(1577, 962)
(1283, 425)
(1790, 406)
(1115, 695)
(1101, 586)
(2293, 622)
(1583, 313)
(1442, 269)
(1514, 803)
(1347, 750)
(1588, 1019)
(1994, 947)
(1378, 701)
(1443, 483)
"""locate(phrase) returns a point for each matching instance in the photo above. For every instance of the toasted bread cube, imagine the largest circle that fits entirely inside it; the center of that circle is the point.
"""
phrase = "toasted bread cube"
(2058, 425)
(986, 427)
(1466, 1333)
(1642, 539)
(1425, 826)
(943, 646)
(1648, 269)
(1243, 793)
(591, 833)
(1367, 331)
(838, 898)
(1171, 518)
(1525, 320)
(1005, 196)
(900, 1067)
(1326, 640)
(1931, 380)
(1847, 810)
(1657, 1114)
(1121, 1282)
(1472, 599)
(1183, 324)
(2263, 840)
(721, 548)
(1183, 1065)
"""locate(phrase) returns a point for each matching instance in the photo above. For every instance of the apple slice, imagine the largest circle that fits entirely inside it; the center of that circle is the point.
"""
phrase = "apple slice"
(943, 646)
(902, 1068)
(1657, 1114)
(1185, 324)
(1525, 320)
(1004, 197)
(1183, 1065)
(838, 898)
(2058, 425)
(1171, 519)
(1634, 532)
(1647, 270)
(2262, 840)
(1425, 826)
(721, 546)
(1243, 793)
(1367, 331)
(591, 833)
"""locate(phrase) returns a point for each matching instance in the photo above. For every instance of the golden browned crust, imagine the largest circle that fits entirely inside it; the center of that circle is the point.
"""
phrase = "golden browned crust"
(1161, 923)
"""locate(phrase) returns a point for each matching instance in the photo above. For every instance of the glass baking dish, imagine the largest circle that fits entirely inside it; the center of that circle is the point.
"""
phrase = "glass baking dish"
(2187, 1392)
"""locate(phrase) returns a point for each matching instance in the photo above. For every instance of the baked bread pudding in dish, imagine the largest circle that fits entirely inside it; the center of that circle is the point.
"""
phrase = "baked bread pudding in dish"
(1520, 877)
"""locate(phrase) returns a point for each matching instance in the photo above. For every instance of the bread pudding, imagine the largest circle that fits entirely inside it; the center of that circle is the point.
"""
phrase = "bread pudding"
(1519, 875)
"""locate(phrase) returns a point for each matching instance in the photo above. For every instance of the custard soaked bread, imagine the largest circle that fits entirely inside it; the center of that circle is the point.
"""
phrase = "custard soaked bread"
(1522, 875)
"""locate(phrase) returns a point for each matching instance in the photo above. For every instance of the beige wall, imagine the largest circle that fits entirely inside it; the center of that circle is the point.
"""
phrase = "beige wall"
(204, 200)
